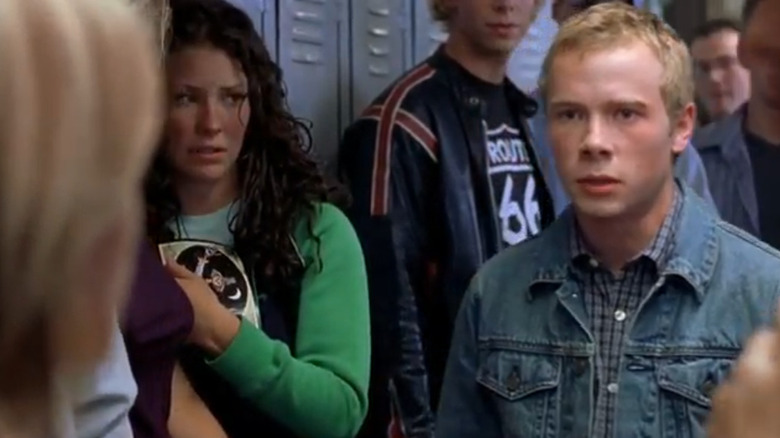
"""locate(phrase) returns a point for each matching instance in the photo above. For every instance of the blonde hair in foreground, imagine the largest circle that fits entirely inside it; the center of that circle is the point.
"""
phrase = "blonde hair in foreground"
(78, 120)
(615, 24)
(158, 14)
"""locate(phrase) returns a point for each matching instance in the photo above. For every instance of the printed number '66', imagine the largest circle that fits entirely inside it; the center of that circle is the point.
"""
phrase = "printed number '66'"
(526, 220)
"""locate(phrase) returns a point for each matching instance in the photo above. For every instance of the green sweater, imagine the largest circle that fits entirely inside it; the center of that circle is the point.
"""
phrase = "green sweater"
(321, 389)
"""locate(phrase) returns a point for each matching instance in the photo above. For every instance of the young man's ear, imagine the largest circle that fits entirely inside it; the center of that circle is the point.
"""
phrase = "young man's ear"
(683, 128)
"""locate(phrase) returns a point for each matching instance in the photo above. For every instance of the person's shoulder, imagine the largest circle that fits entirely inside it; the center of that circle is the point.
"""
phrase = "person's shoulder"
(328, 216)
(740, 248)
(744, 279)
(715, 133)
(325, 222)
(411, 91)
(702, 136)
(517, 267)
(325, 232)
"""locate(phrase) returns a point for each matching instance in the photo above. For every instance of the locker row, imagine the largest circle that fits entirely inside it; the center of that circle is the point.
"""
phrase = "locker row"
(337, 55)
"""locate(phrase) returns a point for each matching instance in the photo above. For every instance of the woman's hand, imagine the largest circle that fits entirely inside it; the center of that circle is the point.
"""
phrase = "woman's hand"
(215, 326)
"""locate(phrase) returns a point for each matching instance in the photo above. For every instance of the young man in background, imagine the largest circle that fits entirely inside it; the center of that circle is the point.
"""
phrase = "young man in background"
(742, 151)
(444, 176)
(722, 83)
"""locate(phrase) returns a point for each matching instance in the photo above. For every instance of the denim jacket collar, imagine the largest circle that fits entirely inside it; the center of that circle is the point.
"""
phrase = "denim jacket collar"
(693, 259)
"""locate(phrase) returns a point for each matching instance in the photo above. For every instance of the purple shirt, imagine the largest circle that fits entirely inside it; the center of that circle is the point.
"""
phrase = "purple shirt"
(157, 322)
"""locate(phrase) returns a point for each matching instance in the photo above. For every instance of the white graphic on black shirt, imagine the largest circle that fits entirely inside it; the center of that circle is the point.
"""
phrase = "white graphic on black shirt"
(222, 270)
(514, 185)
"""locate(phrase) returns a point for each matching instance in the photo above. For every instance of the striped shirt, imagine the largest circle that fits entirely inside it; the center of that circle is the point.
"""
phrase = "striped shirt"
(611, 301)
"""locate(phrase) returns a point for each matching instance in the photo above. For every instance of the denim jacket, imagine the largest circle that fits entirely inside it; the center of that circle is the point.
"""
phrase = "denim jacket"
(522, 359)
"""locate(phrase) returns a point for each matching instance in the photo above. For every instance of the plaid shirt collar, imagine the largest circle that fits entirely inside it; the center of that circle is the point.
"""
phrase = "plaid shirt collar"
(660, 249)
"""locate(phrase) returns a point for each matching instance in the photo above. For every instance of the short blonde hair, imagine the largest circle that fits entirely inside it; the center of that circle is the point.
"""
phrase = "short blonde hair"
(79, 118)
(616, 24)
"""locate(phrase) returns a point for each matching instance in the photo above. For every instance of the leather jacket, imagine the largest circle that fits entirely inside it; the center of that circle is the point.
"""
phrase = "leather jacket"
(415, 162)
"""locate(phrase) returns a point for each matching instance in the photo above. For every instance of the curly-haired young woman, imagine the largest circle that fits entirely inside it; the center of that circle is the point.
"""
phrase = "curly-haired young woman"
(275, 274)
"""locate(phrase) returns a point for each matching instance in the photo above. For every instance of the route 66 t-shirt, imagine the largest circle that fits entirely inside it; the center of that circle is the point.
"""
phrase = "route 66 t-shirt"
(509, 167)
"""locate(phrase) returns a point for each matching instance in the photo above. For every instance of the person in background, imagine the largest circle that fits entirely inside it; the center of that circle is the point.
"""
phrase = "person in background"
(623, 316)
(273, 270)
(742, 152)
(722, 83)
(748, 404)
(78, 122)
(688, 166)
(444, 175)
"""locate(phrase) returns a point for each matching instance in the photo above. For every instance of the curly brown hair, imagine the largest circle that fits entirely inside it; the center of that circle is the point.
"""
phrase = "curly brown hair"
(279, 182)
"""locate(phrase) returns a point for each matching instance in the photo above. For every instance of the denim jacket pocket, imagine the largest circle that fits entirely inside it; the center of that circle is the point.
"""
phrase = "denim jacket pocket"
(686, 389)
(524, 389)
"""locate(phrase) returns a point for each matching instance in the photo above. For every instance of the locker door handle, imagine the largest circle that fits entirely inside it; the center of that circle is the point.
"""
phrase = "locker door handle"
(379, 32)
(379, 12)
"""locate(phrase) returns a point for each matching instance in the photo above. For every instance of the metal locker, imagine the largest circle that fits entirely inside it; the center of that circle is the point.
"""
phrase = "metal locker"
(313, 52)
(381, 47)
(428, 34)
(263, 15)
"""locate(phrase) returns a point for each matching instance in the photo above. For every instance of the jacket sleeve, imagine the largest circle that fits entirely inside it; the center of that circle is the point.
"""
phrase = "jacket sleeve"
(321, 391)
(465, 411)
(389, 173)
(690, 169)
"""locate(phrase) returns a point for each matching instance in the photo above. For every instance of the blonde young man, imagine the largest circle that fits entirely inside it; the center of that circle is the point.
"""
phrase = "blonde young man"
(444, 175)
(688, 165)
(624, 315)
(78, 122)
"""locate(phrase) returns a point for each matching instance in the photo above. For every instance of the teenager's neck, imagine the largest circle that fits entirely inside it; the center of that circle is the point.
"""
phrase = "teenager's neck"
(762, 121)
(198, 198)
(490, 69)
(617, 241)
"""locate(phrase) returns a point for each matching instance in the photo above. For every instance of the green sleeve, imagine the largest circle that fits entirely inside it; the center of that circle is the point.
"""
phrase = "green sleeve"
(322, 392)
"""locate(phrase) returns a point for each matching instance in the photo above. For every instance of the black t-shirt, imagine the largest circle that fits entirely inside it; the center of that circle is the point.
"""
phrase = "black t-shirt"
(765, 158)
(512, 181)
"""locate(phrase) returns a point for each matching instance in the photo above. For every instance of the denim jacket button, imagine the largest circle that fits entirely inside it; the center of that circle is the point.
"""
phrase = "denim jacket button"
(513, 381)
